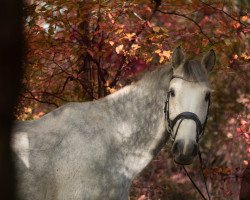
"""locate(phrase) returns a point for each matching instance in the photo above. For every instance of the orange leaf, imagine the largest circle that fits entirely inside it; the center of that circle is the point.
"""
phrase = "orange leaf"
(226, 170)
(156, 29)
(244, 18)
(111, 43)
(166, 54)
(129, 36)
(119, 49)
(158, 51)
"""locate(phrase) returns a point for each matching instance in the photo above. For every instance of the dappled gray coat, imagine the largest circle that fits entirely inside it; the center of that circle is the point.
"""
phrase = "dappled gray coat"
(92, 150)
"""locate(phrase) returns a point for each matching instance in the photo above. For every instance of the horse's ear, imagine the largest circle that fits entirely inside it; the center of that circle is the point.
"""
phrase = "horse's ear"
(208, 60)
(177, 57)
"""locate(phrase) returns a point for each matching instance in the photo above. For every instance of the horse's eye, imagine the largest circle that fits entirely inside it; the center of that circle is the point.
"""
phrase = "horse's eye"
(207, 97)
(172, 93)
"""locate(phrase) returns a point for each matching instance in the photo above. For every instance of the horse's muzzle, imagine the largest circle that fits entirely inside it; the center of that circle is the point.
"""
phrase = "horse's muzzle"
(184, 153)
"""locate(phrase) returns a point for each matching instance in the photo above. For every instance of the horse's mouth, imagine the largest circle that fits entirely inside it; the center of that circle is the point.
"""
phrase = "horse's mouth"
(183, 160)
(184, 156)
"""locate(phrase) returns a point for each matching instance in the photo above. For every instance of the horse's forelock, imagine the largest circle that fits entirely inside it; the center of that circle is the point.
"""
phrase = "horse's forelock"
(194, 71)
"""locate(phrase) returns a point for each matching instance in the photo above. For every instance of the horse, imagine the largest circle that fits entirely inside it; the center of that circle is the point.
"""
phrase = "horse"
(93, 150)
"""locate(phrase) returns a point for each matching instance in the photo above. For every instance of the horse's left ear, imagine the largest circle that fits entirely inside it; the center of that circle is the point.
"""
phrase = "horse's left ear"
(177, 57)
(208, 60)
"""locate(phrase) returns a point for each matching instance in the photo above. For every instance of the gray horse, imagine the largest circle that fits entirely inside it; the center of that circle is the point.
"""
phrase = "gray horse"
(93, 150)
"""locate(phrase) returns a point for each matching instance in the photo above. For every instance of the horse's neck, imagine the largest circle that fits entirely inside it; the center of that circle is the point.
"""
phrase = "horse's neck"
(140, 126)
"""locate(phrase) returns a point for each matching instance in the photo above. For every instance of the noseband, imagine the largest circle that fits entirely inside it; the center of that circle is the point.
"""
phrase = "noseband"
(184, 115)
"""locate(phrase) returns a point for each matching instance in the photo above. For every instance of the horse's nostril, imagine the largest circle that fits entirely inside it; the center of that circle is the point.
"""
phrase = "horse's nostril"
(176, 149)
(190, 150)
(184, 152)
(195, 150)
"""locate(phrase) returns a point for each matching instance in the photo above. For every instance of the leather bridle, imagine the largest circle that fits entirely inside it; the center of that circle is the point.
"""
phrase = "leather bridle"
(184, 115)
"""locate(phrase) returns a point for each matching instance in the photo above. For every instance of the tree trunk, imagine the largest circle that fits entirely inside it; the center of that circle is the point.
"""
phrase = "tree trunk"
(10, 75)
(245, 184)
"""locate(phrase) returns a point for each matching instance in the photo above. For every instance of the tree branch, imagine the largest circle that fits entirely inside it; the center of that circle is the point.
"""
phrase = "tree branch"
(190, 19)
(69, 78)
(47, 102)
(51, 94)
(220, 10)
(36, 99)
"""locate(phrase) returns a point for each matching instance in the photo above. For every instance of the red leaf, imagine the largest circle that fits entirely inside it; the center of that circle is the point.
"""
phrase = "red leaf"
(238, 130)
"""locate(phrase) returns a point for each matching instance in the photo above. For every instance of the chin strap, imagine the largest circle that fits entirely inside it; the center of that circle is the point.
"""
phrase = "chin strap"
(204, 178)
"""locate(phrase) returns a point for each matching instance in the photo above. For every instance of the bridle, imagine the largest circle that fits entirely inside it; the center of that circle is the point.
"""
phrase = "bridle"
(199, 131)
(184, 115)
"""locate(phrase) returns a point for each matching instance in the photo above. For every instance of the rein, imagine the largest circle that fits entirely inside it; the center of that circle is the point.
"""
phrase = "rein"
(204, 178)
(199, 132)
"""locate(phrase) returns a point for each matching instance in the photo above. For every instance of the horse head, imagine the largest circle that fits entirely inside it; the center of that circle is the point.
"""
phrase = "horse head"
(188, 103)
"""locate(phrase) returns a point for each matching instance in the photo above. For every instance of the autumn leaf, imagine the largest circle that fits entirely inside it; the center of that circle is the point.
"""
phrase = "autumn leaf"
(163, 55)
(229, 135)
(129, 36)
(235, 24)
(239, 130)
(119, 31)
(111, 90)
(245, 56)
(166, 54)
(135, 46)
(111, 43)
(111, 18)
(149, 59)
(149, 24)
(244, 18)
(158, 51)
(28, 109)
(226, 170)
(119, 49)
(156, 29)
(164, 29)
(245, 162)
(161, 59)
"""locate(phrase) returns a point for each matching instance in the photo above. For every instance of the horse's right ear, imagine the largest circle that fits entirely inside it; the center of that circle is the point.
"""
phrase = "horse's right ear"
(208, 60)
(177, 57)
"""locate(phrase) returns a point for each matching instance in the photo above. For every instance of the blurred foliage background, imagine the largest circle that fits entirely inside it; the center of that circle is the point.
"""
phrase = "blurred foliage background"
(82, 50)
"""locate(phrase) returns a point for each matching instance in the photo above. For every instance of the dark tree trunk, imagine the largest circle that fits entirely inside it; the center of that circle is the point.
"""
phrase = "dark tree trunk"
(10, 76)
(245, 184)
